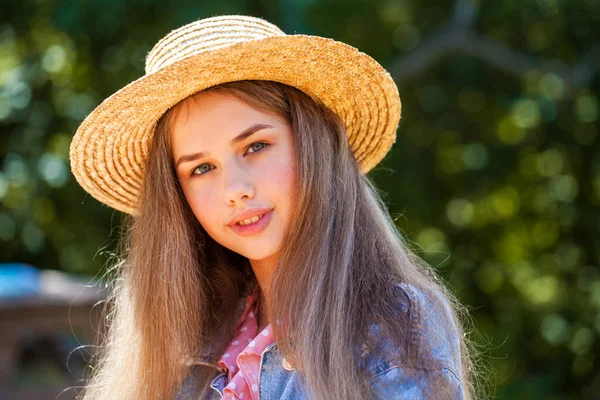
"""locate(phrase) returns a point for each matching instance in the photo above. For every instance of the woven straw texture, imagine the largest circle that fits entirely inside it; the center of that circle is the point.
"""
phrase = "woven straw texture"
(108, 153)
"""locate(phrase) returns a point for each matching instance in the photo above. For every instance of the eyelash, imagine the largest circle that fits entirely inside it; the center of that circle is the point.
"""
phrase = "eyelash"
(265, 145)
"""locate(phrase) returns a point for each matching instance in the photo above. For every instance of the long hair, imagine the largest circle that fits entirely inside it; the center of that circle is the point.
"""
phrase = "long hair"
(175, 287)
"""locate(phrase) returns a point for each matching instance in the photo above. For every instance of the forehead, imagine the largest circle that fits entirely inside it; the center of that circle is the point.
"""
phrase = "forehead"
(208, 107)
(209, 118)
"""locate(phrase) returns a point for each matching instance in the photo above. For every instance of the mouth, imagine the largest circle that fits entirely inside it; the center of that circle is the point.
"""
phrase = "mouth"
(252, 225)
(251, 220)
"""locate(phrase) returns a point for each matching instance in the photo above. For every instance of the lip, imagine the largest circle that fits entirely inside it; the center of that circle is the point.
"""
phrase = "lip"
(247, 213)
(253, 229)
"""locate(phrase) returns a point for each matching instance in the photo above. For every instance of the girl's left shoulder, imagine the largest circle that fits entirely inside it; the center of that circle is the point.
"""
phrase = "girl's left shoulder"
(420, 349)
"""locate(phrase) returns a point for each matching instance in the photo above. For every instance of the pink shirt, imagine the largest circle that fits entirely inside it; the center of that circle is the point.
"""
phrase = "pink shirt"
(242, 357)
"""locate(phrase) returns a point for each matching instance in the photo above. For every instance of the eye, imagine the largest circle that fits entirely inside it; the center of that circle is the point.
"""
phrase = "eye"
(202, 169)
(256, 147)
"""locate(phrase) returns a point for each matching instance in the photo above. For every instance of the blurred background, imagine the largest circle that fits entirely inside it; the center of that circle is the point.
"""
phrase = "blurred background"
(494, 178)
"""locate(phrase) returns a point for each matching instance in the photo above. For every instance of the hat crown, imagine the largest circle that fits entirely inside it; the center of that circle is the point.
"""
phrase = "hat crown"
(206, 35)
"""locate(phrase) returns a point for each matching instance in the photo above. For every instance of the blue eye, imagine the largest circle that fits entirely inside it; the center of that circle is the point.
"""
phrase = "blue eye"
(206, 167)
(202, 169)
(256, 147)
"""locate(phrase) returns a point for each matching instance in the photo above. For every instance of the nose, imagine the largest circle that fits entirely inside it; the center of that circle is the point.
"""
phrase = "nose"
(238, 186)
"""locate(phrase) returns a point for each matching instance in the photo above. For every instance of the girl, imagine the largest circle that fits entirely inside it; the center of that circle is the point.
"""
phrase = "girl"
(259, 262)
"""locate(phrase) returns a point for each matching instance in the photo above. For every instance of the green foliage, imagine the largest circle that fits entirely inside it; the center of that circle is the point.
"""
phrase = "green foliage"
(494, 178)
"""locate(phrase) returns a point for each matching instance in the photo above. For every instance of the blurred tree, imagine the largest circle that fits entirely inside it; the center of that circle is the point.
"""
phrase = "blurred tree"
(495, 176)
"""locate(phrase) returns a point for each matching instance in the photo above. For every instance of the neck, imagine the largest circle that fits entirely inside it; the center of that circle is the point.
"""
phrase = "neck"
(263, 271)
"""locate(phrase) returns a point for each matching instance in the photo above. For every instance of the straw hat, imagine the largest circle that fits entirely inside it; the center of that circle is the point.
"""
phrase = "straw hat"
(109, 150)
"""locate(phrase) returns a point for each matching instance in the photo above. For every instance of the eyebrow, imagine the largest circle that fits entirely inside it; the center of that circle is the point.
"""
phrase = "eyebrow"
(238, 139)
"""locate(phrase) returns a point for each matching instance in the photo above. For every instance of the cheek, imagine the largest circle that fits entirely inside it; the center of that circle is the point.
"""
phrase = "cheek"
(286, 180)
(203, 203)
(280, 178)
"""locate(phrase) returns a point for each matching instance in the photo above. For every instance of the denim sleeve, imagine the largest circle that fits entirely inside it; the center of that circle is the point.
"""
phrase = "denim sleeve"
(417, 384)
(424, 361)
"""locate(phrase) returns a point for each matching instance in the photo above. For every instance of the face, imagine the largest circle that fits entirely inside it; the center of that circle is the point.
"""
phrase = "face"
(236, 167)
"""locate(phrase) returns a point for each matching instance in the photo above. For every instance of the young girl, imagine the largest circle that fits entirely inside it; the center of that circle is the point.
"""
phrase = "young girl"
(259, 262)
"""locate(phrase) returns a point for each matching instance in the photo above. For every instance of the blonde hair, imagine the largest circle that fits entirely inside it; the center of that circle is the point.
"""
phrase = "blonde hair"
(175, 287)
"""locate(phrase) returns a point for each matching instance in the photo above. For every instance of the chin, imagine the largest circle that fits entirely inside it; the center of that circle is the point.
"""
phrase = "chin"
(258, 254)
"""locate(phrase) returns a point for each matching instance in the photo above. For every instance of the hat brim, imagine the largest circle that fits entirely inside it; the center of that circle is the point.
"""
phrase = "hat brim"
(109, 150)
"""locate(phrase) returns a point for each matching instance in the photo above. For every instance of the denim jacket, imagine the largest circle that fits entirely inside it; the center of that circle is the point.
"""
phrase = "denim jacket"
(429, 355)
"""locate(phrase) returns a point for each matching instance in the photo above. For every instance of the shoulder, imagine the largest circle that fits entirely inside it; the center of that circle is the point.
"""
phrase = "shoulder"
(418, 384)
(423, 337)
(417, 355)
